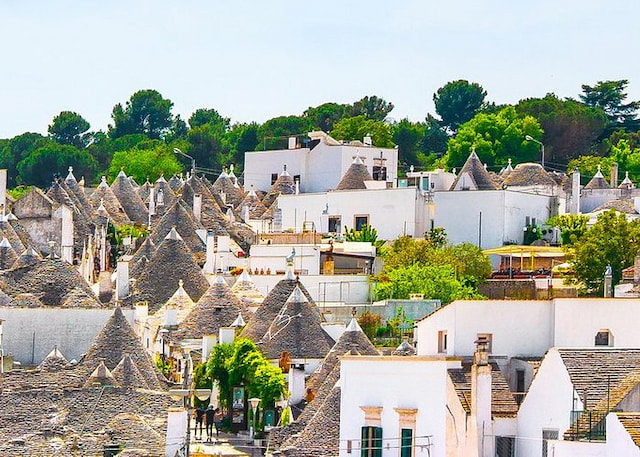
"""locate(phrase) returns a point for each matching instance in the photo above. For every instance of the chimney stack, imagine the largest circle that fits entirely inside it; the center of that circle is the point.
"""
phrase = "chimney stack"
(152, 202)
(122, 278)
(170, 317)
(614, 175)
(292, 142)
(367, 140)
(575, 192)
(197, 206)
(210, 257)
(481, 396)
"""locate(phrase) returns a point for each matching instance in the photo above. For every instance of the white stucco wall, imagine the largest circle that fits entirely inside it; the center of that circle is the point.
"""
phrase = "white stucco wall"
(31, 333)
(548, 405)
(619, 443)
(504, 215)
(273, 257)
(392, 212)
(320, 168)
(393, 382)
(330, 288)
(519, 327)
(559, 448)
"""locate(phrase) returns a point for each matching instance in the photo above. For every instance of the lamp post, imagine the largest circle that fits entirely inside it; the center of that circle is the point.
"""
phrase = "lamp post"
(254, 407)
(193, 161)
(530, 138)
(185, 395)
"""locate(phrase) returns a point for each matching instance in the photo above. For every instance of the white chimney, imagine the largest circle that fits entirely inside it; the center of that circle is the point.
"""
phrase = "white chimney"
(210, 259)
(227, 335)
(575, 192)
(197, 206)
(170, 317)
(122, 278)
(208, 343)
(66, 244)
(481, 397)
(224, 244)
(297, 187)
(245, 213)
(223, 197)
(292, 142)
(140, 316)
(367, 139)
(176, 425)
(296, 385)
(152, 202)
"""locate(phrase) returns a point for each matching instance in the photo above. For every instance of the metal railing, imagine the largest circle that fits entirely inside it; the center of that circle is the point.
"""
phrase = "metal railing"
(588, 425)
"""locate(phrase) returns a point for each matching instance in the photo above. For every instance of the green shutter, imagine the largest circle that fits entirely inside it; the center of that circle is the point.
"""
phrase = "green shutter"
(406, 449)
(364, 442)
(377, 442)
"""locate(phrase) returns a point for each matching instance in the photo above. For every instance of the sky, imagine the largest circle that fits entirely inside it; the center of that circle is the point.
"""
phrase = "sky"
(256, 60)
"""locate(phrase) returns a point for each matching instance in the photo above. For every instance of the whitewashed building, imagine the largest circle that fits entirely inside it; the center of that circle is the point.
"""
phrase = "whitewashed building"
(319, 165)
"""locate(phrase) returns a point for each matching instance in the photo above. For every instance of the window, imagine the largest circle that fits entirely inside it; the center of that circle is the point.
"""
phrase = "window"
(604, 338)
(505, 446)
(442, 341)
(371, 444)
(488, 337)
(274, 178)
(360, 221)
(520, 389)
(296, 178)
(379, 173)
(406, 442)
(335, 223)
(546, 436)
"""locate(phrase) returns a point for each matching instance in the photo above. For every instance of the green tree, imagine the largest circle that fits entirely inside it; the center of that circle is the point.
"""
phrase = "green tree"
(408, 135)
(371, 107)
(69, 128)
(611, 241)
(435, 282)
(496, 138)
(239, 139)
(40, 167)
(435, 139)
(145, 161)
(146, 112)
(209, 116)
(15, 150)
(457, 102)
(324, 117)
(610, 96)
(570, 128)
(356, 128)
(588, 166)
(273, 134)
(572, 226)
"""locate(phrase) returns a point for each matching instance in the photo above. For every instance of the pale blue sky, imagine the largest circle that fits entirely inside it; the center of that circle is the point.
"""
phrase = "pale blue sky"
(257, 60)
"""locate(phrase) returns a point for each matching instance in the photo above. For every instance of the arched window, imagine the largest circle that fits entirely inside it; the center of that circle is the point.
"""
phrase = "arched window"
(604, 338)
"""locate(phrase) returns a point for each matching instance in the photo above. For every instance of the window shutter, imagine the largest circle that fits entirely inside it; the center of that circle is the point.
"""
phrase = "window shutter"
(377, 441)
(407, 443)
(364, 442)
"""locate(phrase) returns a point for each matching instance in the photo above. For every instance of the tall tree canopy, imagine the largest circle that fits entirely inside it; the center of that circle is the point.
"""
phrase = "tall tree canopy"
(457, 102)
(372, 107)
(356, 128)
(145, 112)
(610, 96)
(496, 138)
(570, 128)
(325, 116)
(146, 160)
(40, 167)
(69, 128)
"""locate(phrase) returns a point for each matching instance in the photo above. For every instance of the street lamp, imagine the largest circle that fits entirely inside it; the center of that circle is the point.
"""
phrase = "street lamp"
(530, 138)
(185, 395)
(193, 161)
(254, 407)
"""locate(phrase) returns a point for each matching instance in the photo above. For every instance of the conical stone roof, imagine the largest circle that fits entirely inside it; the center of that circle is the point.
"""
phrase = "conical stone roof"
(8, 255)
(355, 176)
(80, 298)
(218, 307)
(129, 199)
(141, 257)
(296, 329)
(103, 195)
(225, 184)
(271, 306)
(253, 203)
(175, 183)
(473, 176)
(29, 257)
(178, 217)
(211, 217)
(116, 340)
(164, 194)
(284, 185)
(171, 261)
(54, 361)
(127, 374)
(529, 174)
(598, 181)
(144, 190)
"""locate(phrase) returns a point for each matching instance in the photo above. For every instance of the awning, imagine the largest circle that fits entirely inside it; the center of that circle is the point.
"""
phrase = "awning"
(526, 251)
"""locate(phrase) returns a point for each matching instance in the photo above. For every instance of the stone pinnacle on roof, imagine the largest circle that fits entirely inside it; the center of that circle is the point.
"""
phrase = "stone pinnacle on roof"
(70, 176)
(28, 258)
(239, 322)
(355, 176)
(54, 361)
(181, 220)
(626, 182)
(284, 185)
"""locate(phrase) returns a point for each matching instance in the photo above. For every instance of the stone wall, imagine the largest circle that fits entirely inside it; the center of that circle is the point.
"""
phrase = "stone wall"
(520, 289)
(31, 333)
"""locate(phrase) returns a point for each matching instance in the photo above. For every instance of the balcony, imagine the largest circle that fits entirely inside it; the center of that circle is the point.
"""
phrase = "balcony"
(587, 426)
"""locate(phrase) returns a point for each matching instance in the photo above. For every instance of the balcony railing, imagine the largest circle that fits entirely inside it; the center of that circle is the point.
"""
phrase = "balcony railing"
(587, 425)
